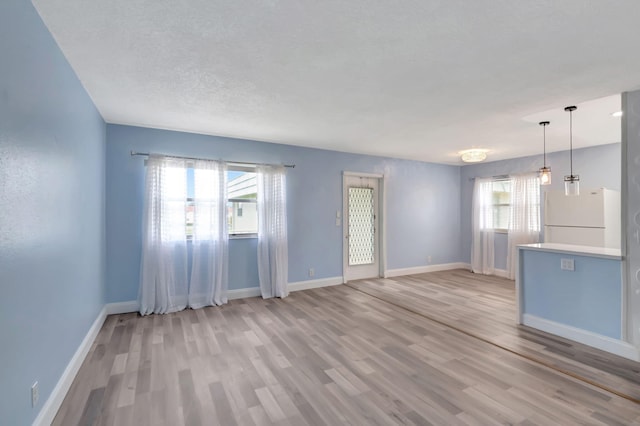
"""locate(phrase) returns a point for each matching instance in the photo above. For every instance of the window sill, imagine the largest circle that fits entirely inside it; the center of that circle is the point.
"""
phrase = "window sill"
(504, 231)
(234, 237)
(242, 236)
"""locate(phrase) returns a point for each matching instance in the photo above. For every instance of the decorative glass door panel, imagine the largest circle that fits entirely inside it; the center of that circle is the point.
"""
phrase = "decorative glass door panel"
(362, 226)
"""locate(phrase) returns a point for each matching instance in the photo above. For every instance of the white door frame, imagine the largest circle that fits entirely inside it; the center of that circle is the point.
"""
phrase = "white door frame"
(382, 210)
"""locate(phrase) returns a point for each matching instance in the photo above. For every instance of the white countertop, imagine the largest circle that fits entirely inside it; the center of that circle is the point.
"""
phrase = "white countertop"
(606, 253)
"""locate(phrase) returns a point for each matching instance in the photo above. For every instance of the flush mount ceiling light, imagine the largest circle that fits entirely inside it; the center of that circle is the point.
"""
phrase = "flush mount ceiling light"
(545, 172)
(616, 114)
(473, 155)
(571, 181)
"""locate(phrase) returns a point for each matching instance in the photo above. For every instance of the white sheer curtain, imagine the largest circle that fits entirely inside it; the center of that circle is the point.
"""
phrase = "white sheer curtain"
(524, 218)
(272, 231)
(163, 271)
(482, 248)
(210, 242)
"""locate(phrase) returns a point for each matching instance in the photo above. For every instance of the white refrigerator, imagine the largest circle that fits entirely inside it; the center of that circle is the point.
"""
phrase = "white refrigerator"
(589, 219)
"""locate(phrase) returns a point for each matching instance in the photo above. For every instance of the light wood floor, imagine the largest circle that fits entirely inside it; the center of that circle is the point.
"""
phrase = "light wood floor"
(336, 356)
(484, 306)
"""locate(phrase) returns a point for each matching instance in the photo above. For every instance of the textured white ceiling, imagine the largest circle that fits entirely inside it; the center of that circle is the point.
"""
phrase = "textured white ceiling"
(419, 79)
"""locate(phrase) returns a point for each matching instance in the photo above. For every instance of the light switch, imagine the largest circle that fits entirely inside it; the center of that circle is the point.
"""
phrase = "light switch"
(567, 265)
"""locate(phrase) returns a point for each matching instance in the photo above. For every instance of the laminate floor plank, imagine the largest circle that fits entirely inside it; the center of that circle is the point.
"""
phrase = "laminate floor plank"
(342, 355)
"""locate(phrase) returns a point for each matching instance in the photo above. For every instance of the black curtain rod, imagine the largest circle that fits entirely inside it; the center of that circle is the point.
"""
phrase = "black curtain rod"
(146, 154)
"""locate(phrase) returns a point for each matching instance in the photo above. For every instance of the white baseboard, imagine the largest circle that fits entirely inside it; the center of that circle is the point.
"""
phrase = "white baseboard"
(132, 305)
(53, 403)
(296, 286)
(322, 282)
(427, 268)
(501, 273)
(122, 307)
(614, 346)
(243, 293)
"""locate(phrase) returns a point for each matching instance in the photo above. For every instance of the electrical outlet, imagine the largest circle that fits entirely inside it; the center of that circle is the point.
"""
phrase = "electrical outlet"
(312, 272)
(35, 394)
(567, 265)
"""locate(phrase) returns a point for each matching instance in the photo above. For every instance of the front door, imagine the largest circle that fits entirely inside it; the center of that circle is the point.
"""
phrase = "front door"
(361, 227)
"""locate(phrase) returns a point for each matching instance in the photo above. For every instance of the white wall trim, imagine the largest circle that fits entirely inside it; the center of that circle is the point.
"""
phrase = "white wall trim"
(122, 307)
(614, 346)
(322, 282)
(53, 403)
(295, 286)
(503, 273)
(427, 268)
(243, 293)
(383, 226)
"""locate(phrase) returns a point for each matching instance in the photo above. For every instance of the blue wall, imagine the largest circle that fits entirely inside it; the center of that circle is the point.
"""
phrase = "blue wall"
(589, 298)
(52, 159)
(423, 205)
(598, 167)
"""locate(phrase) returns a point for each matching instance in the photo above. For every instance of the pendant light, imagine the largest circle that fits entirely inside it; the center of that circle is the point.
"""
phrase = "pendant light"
(545, 172)
(571, 181)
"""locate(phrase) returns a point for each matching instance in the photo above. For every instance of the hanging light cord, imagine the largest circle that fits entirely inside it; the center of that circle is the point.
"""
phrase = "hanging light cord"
(571, 109)
(544, 146)
(571, 142)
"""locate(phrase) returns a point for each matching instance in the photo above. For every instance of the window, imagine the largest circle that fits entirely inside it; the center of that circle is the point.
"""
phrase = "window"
(242, 190)
(501, 204)
(242, 212)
